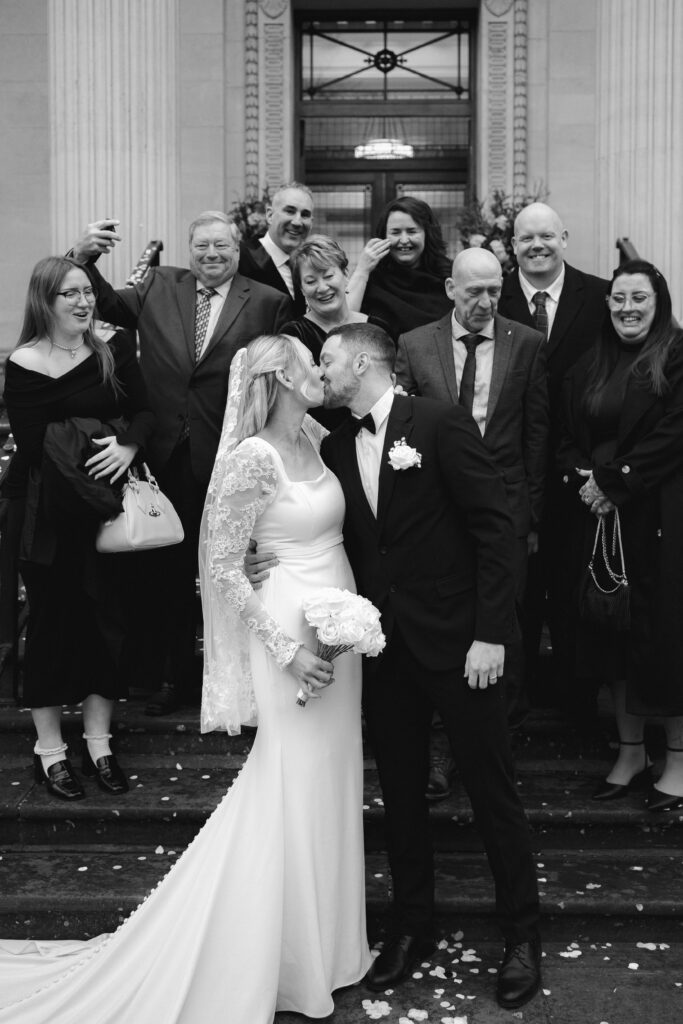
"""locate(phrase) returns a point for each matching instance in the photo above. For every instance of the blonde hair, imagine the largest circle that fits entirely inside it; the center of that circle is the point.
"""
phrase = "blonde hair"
(265, 356)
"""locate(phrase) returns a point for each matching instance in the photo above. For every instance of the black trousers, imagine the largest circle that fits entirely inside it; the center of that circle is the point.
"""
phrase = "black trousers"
(399, 696)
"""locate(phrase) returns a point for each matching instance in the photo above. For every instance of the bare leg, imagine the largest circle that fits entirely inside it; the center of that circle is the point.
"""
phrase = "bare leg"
(672, 776)
(50, 744)
(632, 756)
(97, 712)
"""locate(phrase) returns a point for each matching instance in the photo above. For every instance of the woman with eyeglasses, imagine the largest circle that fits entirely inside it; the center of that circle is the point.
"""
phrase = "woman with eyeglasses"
(61, 377)
(623, 452)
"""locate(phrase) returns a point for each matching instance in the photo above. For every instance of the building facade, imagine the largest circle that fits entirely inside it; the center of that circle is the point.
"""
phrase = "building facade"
(153, 110)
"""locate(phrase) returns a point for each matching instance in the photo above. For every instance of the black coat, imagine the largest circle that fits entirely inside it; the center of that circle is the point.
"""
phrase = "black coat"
(645, 481)
(437, 560)
(257, 265)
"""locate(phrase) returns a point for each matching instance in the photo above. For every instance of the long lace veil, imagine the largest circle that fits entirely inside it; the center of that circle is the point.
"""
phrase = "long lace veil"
(228, 693)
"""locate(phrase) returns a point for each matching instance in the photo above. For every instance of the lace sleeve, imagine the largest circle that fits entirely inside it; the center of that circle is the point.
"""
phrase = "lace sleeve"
(247, 488)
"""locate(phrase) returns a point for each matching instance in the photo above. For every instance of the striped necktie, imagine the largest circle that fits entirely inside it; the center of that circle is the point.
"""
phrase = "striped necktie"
(201, 318)
(540, 313)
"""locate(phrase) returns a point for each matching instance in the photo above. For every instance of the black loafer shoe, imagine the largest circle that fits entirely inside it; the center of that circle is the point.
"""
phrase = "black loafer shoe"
(395, 962)
(519, 978)
(441, 774)
(59, 779)
(108, 772)
(658, 800)
(164, 702)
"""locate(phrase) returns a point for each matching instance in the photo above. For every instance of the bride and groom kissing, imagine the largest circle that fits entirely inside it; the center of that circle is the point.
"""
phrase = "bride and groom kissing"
(265, 910)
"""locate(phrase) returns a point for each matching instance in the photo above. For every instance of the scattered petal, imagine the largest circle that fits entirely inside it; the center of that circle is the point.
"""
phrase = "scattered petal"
(594, 885)
(83, 869)
(546, 991)
(418, 1014)
(376, 1008)
(159, 849)
(633, 967)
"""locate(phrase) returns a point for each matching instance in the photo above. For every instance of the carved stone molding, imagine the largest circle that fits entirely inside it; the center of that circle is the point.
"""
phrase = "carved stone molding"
(251, 97)
(275, 87)
(497, 112)
(498, 7)
(519, 113)
(273, 8)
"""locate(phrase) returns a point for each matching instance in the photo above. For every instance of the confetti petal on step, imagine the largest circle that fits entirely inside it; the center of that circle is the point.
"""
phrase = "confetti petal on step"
(159, 849)
(376, 1008)
(83, 869)
(546, 991)
(633, 967)
(594, 885)
(418, 1014)
(639, 906)
(636, 868)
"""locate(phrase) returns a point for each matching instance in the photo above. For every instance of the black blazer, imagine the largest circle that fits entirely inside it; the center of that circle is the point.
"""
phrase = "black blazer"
(577, 323)
(162, 309)
(256, 264)
(437, 560)
(516, 432)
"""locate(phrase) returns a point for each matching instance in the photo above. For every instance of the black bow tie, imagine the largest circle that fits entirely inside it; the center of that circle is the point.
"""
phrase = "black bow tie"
(365, 421)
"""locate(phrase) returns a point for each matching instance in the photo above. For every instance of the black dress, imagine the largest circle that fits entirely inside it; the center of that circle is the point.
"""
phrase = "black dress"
(76, 597)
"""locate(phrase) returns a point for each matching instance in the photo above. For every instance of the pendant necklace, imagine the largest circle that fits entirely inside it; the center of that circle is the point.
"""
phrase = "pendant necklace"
(66, 348)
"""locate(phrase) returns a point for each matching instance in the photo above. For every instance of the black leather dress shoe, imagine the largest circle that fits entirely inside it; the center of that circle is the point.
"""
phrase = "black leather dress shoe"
(519, 978)
(658, 800)
(441, 772)
(164, 702)
(59, 779)
(395, 962)
(107, 771)
(615, 790)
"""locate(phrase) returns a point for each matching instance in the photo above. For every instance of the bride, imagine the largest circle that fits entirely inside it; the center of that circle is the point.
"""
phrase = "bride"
(265, 909)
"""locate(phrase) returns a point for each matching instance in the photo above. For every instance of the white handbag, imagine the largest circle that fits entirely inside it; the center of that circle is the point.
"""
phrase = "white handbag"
(148, 519)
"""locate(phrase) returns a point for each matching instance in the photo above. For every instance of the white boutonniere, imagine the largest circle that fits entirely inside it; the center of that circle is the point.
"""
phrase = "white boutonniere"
(402, 456)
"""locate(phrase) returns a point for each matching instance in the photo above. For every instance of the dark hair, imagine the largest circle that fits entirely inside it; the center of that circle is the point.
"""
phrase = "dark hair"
(367, 338)
(434, 258)
(648, 366)
(43, 287)
(321, 252)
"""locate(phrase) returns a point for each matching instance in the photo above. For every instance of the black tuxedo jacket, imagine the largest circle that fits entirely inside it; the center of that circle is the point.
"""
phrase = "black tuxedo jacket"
(516, 432)
(577, 323)
(256, 264)
(162, 310)
(437, 560)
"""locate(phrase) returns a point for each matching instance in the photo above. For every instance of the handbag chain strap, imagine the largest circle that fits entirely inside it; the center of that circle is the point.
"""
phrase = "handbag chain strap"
(619, 579)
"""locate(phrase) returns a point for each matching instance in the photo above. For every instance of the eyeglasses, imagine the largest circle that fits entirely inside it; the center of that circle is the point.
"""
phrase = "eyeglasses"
(637, 299)
(73, 295)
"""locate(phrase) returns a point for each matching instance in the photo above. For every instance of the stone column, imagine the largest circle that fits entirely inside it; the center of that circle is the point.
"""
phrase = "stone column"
(113, 73)
(639, 144)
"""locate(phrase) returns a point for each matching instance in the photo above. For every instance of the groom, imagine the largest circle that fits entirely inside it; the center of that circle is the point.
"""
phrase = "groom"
(430, 541)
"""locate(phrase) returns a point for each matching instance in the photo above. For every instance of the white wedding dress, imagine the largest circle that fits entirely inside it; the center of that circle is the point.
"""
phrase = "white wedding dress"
(265, 910)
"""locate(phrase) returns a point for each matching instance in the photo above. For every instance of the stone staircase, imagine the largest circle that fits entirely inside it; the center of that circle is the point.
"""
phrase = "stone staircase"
(614, 872)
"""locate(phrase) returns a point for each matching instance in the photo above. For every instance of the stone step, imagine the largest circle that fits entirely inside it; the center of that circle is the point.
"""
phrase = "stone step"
(78, 891)
(171, 797)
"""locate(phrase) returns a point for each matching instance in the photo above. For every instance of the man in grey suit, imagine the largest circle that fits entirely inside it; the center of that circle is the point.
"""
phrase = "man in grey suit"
(496, 369)
(190, 323)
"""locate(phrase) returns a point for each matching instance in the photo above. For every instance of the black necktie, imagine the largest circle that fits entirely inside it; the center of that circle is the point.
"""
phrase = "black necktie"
(469, 370)
(365, 421)
(540, 313)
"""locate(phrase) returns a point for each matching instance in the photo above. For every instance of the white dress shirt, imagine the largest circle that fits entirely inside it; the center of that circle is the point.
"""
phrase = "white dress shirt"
(552, 292)
(484, 367)
(281, 261)
(369, 447)
(217, 301)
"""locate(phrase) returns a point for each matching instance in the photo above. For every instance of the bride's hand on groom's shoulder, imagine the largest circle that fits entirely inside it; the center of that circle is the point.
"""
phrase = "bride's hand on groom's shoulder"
(310, 671)
(484, 664)
(257, 564)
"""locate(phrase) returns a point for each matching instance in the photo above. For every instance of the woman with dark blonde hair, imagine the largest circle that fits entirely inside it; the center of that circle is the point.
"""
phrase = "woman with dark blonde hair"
(265, 910)
(622, 455)
(62, 369)
(401, 273)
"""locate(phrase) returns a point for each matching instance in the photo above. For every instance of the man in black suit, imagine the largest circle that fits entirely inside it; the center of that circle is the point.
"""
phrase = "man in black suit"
(190, 324)
(430, 538)
(267, 259)
(502, 384)
(567, 306)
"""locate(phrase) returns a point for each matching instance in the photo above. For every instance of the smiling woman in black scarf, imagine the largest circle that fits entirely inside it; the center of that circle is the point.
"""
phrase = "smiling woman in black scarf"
(401, 273)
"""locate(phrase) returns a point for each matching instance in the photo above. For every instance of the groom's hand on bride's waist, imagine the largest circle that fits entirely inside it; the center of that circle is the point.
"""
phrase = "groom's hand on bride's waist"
(484, 664)
(257, 564)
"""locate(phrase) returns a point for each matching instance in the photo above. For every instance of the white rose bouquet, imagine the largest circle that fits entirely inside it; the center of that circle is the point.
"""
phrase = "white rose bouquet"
(343, 622)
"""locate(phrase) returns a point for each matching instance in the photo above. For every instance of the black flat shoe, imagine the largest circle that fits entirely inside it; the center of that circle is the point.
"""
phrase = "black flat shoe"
(657, 800)
(396, 961)
(164, 702)
(59, 779)
(519, 978)
(615, 790)
(108, 772)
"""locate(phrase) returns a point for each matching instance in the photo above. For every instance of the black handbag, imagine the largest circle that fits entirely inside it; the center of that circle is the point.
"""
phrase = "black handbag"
(605, 598)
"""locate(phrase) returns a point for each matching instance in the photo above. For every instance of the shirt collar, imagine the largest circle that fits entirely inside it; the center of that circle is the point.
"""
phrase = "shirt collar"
(553, 290)
(277, 255)
(220, 289)
(381, 409)
(459, 331)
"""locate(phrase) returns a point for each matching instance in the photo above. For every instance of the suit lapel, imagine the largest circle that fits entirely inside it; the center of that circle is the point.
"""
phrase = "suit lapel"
(186, 297)
(232, 307)
(399, 425)
(502, 352)
(516, 304)
(568, 308)
(443, 336)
